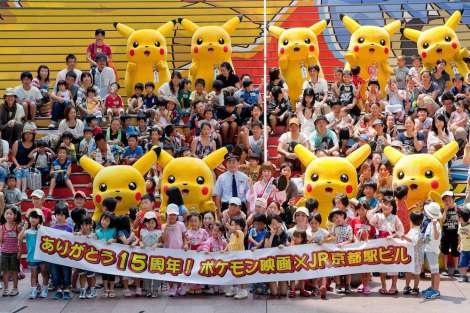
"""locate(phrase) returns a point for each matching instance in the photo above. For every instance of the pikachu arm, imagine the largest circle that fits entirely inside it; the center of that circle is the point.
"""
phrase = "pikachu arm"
(312, 59)
(350, 58)
(463, 53)
(193, 69)
(283, 62)
(162, 66)
(387, 68)
(435, 197)
(131, 70)
(208, 206)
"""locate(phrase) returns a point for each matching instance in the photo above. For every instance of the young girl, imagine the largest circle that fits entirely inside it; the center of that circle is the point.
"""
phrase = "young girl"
(195, 236)
(319, 235)
(87, 277)
(126, 237)
(276, 237)
(10, 248)
(389, 226)
(207, 221)
(298, 238)
(107, 233)
(173, 238)
(64, 93)
(93, 103)
(30, 232)
(236, 243)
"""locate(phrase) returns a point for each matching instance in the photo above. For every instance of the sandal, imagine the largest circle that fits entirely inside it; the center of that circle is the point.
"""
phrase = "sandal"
(292, 293)
(392, 292)
(111, 294)
(105, 293)
(383, 291)
(305, 293)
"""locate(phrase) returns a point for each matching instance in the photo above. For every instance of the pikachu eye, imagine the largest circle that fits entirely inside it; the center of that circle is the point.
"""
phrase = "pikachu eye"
(314, 177)
(344, 178)
(135, 44)
(199, 41)
(383, 42)
(200, 180)
(425, 45)
(401, 175)
(132, 186)
(429, 174)
(447, 38)
(360, 40)
(103, 187)
(285, 42)
(171, 179)
(221, 41)
(157, 44)
(307, 41)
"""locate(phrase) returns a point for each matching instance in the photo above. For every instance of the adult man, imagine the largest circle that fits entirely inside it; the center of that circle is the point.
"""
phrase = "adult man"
(447, 108)
(28, 95)
(319, 86)
(103, 75)
(71, 63)
(102, 154)
(59, 104)
(401, 72)
(323, 138)
(232, 183)
(289, 139)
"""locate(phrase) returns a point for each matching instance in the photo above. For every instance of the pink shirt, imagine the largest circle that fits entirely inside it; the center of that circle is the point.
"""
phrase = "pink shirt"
(390, 225)
(196, 238)
(213, 245)
(9, 240)
(175, 236)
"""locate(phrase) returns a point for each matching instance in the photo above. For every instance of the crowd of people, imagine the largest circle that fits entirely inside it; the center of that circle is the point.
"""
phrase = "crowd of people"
(418, 112)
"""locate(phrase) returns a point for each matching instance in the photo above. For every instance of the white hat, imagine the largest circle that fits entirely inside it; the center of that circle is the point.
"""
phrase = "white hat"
(261, 202)
(150, 215)
(301, 209)
(172, 209)
(38, 193)
(447, 193)
(235, 200)
(433, 210)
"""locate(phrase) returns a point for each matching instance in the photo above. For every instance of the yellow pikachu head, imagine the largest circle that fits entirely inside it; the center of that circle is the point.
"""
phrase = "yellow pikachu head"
(192, 176)
(146, 45)
(125, 183)
(299, 42)
(326, 177)
(440, 42)
(422, 173)
(213, 42)
(370, 42)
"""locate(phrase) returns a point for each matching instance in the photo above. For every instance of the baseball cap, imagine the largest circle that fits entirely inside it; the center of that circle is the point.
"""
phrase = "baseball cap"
(261, 202)
(301, 209)
(235, 200)
(38, 193)
(364, 137)
(29, 128)
(378, 122)
(172, 209)
(231, 156)
(447, 193)
(150, 215)
(79, 194)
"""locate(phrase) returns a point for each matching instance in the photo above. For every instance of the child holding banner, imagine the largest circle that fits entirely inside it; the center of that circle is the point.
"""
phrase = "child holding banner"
(126, 236)
(86, 277)
(299, 237)
(432, 240)
(10, 261)
(319, 235)
(195, 236)
(414, 236)
(106, 232)
(236, 243)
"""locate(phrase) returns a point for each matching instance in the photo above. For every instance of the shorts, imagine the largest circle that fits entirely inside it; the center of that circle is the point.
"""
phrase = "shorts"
(86, 273)
(449, 244)
(21, 173)
(3, 173)
(107, 277)
(464, 259)
(419, 260)
(60, 178)
(35, 265)
(9, 262)
(433, 261)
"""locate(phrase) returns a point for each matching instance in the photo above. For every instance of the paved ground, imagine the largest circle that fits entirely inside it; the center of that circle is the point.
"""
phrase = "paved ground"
(455, 298)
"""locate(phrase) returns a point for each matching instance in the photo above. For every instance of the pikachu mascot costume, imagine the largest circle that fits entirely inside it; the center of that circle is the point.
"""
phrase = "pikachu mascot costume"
(146, 53)
(125, 183)
(441, 42)
(297, 49)
(328, 176)
(194, 177)
(369, 49)
(425, 174)
(210, 47)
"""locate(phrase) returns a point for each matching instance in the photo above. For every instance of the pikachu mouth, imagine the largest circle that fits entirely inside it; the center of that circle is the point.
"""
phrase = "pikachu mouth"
(118, 198)
(371, 50)
(439, 50)
(329, 189)
(296, 49)
(185, 192)
(413, 187)
(147, 53)
(210, 49)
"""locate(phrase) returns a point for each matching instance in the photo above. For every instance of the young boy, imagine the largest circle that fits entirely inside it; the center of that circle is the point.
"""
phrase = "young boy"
(113, 102)
(229, 120)
(147, 204)
(133, 151)
(12, 194)
(87, 278)
(60, 172)
(151, 101)
(92, 122)
(464, 237)
(42, 157)
(199, 94)
(255, 140)
(414, 236)
(79, 211)
(38, 197)
(370, 188)
(136, 101)
(256, 236)
(216, 96)
(450, 237)
(346, 92)
(432, 240)
(87, 145)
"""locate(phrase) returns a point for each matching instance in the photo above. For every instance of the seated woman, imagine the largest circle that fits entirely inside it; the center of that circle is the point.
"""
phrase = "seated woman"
(11, 117)
(20, 155)
(72, 124)
(203, 145)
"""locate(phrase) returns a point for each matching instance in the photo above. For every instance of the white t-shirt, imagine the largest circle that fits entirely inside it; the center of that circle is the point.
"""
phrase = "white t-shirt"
(33, 94)
(61, 76)
(286, 139)
(430, 243)
(320, 87)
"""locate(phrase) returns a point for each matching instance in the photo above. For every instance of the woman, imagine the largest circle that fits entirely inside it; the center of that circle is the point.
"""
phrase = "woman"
(72, 124)
(116, 137)
(203, 145)
(19, 152)
(279, 108)
(365, 175)
(276, 80)
(42, 82)
(380, 138)
(227, 76)
(265, 187)
(171, 88)
(375, 163)
(412, 141)
(439, 134)
(320, 88)
(305, 112)
(384, 175)
(390, 127)
(11, 117)
(86, 81)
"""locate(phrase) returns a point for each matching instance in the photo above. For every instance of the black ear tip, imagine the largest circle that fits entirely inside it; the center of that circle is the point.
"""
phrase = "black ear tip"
(115, 24)
(158, 151)
(341, 16)
(240, 17)
(402, 30)
(327, 21)
(180, 19)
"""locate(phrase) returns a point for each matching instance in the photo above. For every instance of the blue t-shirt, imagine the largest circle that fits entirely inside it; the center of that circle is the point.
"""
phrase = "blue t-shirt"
(256, 235)
(56, 165)
(372, 202)
(105, 234)
(64, 227)
(30, 236)
(132, 154)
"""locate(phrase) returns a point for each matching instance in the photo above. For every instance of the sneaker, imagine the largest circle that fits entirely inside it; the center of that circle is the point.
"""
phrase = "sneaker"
(127, 293)
(360, 289)
(44, 292)
(230, 292)
(13, 293)
(34, 293)
(463, 279)
(209, 291)
(77, 290)
(433, 294)
(407, 290)
(415, 292)
(172, 291)
(366, 290)
(347, 290)
(241, 294)
(91, 294)
(154, 294)
(338, 289)
(425, 291)
(181, 291)
(67, 296)
(138, 292)
(58, 295)
(82, 293)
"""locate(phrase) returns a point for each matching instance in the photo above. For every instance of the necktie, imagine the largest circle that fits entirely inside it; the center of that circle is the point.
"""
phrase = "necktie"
(234, 187)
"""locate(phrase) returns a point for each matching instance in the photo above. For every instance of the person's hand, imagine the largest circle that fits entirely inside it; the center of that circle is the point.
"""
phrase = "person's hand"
(185, 248)
(253, 249)
(281, 246)
(277, 110)
(434, 221)
(110, 241)
(26, 225)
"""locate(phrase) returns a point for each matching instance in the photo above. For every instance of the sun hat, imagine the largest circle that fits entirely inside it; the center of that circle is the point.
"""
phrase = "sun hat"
(301, 209)
(38, 193)
(334, 212)
(433, 210)
(172, 209)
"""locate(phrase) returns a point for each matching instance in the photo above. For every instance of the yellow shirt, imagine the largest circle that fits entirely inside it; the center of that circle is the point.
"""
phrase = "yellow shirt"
(236, 241)
(464, 233)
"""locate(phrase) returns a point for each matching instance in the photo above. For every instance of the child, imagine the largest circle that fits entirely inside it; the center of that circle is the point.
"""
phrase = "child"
(173, 238)
(342, 234)
(234, 209)
(107, 233)
(414, 236)
(388, 226)
(64, 93)
(298, 238)
(37, 198)
(450, 237)
(215, 98)
(60, 172)
(9, 242)
(319, 236)
(236, 243)
(136, 101)
(113, 102)
(432, 240)
(86, 277)
(183, 96)
(42, 157)
(30, 232)
(208, 220)
(370, 188)
(260, 208)
(195, 236)
(133, 151)
(150, 237)
(125, 236)
(66, 142)
(147, 204)
(11, 193)
(459, 117)
(276, 237)
(199, 93)
(61, 275)
(92, 122)
(346, 94)
(257, 232)
(93, 103)
(151, 100)
(464, 237)
(87, 145)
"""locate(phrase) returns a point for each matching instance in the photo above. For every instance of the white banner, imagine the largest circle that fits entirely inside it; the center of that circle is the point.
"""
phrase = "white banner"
(243, 267)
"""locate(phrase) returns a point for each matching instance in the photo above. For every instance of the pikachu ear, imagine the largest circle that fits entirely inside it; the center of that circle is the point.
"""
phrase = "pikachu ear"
(350, 24)
(447, 152)
(359, 155)
(163, 157)
(144, 163)
(123, 29)
(215, 158)
(189, 26)
(167, 28)
(318, 27)
(393, 27)
(232, 24)
(90, 166)
(305, 156)
(454, 19)
(276, 31)
(411, 34)
(393, 155)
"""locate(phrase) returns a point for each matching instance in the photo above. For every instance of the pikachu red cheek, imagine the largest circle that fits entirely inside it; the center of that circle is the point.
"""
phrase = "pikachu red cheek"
(138, 196)
(424, 54)
(311, 48)
(204, 191)
(309, 188)
(386, 50)
(454, 45)
(98, 198)
(282, 50)
(162, 51)
(356, 48)
(165, 188)
(434, 184)
(132, 52)
(225, 49)
(349, 189)
(196, 49)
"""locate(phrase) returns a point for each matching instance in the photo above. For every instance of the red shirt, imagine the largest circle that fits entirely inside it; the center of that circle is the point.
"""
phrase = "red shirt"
(47, 216)
(139, 221)
(359, 226)
(113, 102)
(94, 50)
(97, 130)
(403, 215)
